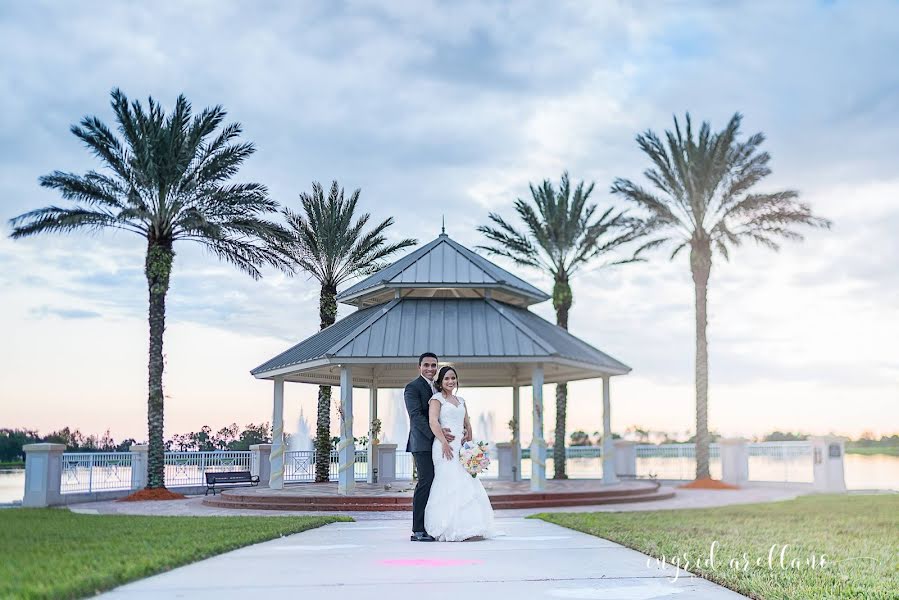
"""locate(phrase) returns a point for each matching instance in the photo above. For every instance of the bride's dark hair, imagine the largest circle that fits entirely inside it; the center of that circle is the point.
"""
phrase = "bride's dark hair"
(438, 385)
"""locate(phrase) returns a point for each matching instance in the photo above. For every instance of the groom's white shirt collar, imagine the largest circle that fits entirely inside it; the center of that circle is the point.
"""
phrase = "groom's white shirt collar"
(430, 383)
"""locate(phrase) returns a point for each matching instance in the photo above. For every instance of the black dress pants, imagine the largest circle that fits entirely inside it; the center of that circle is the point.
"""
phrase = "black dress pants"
(424, 464)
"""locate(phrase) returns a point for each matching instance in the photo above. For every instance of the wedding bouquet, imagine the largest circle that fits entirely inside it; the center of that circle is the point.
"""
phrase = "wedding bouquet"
(474, 457)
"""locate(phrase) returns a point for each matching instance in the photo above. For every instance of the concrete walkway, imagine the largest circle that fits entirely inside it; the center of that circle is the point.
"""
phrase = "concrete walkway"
(374, 559)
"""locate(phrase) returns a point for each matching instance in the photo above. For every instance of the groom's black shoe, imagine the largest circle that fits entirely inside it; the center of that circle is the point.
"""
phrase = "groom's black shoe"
(421, 536)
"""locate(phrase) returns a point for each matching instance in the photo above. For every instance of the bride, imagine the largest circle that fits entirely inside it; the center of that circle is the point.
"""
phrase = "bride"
(458, 507)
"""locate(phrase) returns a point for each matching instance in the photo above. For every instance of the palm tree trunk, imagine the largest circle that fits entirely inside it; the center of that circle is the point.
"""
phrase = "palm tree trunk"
(327, 312)
(158, 269)
(701, 266)
(562, 300)
(323, 435)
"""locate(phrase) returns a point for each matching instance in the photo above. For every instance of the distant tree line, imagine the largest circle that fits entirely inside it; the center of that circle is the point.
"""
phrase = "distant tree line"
(581, 438)
(12, 441)
(231, 437)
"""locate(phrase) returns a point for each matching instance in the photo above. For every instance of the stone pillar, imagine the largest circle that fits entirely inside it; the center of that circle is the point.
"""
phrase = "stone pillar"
(827, 461)
(516, 435)
(386, 463)
(260, 463)
(372, 444)
(625, 458)
(43, 474)
(139, 459)
(276, 460)
(734, 460)
(608, 447)
(346, 449)
(538, 444)
(504, 456)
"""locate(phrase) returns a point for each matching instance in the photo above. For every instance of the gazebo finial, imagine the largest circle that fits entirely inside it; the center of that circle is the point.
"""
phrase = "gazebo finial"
(443, 225)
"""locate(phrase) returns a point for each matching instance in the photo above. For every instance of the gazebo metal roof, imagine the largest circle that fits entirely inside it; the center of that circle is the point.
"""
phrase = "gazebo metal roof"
(442, 268)
(445, 299)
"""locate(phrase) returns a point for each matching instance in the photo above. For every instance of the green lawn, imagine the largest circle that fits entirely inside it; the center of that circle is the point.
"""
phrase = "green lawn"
(15, 464)
(871, 450)
(843, 528)
(53, 553)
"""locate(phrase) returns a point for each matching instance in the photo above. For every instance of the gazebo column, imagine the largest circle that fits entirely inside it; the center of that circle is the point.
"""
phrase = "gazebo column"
(516, 434)
(608, 446)
(276, 459)
(372, 415)
(346, 450)
(538, 445)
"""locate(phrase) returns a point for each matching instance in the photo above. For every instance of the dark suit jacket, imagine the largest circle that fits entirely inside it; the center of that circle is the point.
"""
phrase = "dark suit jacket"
(417, 394)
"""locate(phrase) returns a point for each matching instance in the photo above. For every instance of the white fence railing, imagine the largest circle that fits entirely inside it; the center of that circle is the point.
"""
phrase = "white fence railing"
(94, 471)
(184, 469)
(768, 461)
(780, 461)
(299, 466)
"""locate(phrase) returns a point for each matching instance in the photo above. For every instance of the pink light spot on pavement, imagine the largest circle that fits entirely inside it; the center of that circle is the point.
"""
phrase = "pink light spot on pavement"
(429, 562)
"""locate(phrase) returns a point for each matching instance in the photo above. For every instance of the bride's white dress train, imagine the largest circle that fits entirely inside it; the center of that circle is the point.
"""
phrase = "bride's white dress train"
(458, 507)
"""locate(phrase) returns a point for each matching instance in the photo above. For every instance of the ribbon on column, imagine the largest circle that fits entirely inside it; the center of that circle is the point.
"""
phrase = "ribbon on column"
(540, 444)
(346, 442)
(277, 457)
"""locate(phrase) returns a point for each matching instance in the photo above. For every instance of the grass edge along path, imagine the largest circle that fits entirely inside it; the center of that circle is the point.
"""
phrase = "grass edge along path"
(849, 530)
(54, 553)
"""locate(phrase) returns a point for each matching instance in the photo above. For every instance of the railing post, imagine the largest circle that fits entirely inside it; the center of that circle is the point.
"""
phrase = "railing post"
(827, 461)
(734, 460)
(260, 462)
(139, 459)
(505, 458)
(43, 474)
(386, 463)
(625, 458)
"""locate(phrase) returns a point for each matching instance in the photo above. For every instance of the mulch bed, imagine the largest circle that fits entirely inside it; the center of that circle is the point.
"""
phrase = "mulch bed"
(707, 483)
(152, 494)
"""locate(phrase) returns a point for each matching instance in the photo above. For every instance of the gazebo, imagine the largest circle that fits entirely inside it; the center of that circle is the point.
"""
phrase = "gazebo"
(443, 298)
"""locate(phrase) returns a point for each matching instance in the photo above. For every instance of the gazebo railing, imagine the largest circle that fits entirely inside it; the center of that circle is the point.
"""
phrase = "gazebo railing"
(183, 469)
(299, 466)
(98, 471)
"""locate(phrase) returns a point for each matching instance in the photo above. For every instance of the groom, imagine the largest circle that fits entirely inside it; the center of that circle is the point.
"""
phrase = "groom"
(417, 394)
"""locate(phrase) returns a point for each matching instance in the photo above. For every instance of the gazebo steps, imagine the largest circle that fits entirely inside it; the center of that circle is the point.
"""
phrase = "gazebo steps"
(323, 497)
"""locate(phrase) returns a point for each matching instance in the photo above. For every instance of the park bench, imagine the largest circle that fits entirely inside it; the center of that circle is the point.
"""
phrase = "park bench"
(217, 480)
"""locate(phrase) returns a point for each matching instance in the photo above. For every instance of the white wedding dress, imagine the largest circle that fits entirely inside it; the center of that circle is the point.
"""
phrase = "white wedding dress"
(458, 507)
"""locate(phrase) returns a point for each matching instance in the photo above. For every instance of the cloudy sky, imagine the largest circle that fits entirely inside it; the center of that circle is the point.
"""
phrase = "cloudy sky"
(451, 109)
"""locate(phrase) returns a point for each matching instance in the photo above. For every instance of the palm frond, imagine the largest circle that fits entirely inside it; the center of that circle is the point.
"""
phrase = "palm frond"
(330, 242)
(165, 179)
(63, 220)
(705, 179)
(561, 230)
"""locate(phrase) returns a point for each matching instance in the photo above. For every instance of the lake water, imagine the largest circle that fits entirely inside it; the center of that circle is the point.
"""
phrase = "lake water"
(862, 473)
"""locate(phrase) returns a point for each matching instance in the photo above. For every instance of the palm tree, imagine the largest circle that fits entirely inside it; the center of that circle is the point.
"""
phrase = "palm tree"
(166, 179)
(702, 198)
(561, 236)
(329, 243)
